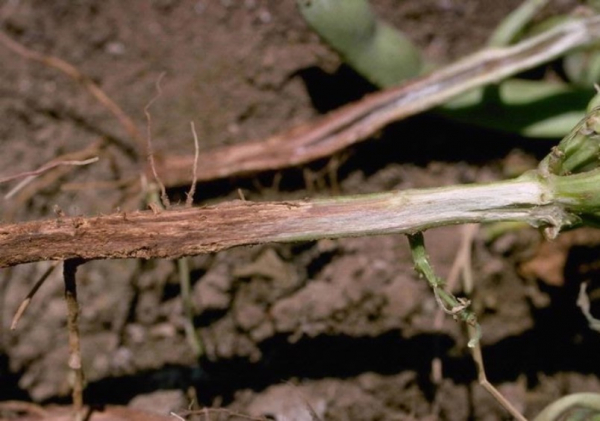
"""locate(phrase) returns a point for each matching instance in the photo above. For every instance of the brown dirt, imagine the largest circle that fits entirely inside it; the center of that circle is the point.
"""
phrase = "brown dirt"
(343, 327)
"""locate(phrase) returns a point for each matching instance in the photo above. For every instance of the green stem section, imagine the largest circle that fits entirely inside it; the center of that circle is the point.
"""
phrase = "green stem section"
(579, 150)
(579, 192)
(457, 307)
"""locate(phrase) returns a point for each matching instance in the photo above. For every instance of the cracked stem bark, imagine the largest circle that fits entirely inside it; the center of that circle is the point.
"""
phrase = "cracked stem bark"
(185, 232)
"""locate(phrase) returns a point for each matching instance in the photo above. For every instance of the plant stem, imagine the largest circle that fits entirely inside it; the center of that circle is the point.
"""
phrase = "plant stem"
(356, 122)
(458, 308)
(549, 196)
(184, 232)
(580, 192)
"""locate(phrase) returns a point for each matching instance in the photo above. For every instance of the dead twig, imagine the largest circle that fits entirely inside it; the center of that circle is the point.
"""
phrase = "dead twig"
(27, 300)
(47, 167)
(75, 74)
(192, 336)
(459, 309)
(31, 175)
(190, 196)
(149, 150)
(484, 382)
(50, 178)
(70, 269)
(358, 121)
(461, 265)
(464, 261)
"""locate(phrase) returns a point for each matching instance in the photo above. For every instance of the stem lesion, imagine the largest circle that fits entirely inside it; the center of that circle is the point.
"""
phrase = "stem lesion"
(185, 232)
(561, 193)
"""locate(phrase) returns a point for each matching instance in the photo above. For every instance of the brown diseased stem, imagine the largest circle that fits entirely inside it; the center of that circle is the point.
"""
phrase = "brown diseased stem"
(184, 232)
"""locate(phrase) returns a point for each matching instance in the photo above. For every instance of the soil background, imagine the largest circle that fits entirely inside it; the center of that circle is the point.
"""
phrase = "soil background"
(341, 328)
